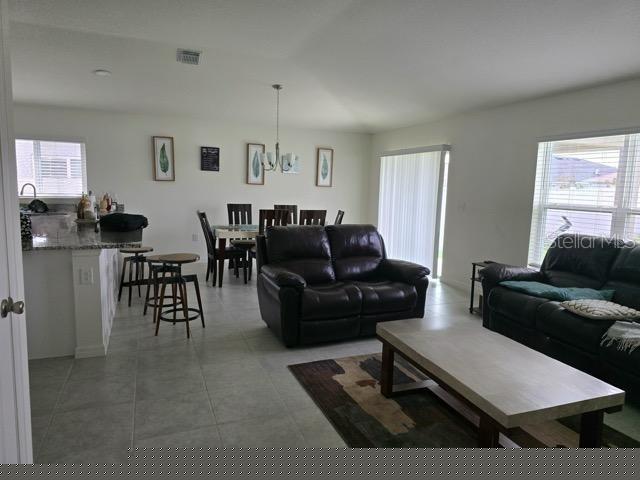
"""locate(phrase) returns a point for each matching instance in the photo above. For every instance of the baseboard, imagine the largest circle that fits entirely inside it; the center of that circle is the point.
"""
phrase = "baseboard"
(454, 283)
(87, 351)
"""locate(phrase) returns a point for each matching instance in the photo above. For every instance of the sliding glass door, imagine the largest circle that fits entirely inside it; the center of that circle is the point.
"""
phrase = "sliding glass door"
(410, 206)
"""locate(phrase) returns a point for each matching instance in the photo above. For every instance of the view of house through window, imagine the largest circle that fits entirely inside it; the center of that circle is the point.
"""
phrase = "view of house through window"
(57, 169)
(586, 185)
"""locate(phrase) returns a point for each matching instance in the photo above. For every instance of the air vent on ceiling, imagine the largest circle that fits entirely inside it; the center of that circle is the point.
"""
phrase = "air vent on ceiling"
(190, 57)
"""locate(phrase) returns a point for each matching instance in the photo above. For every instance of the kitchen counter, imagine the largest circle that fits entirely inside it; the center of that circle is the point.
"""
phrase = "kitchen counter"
(83, 239)
(71, 281)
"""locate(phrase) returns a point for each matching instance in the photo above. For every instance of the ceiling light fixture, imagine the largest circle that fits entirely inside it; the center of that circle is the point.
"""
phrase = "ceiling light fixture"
(271, 160)
(101, 72)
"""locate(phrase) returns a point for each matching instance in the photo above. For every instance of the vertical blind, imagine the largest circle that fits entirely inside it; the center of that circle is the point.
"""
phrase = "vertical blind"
(408, 208)
(586, 185)
(57, 169)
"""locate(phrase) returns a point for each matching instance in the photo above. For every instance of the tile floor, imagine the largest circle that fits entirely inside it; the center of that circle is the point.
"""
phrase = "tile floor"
(227, 386)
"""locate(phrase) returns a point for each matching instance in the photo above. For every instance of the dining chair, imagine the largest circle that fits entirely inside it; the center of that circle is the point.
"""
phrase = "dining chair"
(276, 217)
(339, 217)
(239, 213)
(231, 253)
(312, 217)
(291, 208)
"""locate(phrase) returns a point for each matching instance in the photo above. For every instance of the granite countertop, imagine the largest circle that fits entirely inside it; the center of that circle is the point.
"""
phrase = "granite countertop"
(83, 239)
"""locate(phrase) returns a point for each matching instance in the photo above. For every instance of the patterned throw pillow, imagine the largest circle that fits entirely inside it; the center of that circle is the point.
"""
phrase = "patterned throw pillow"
(601, 310)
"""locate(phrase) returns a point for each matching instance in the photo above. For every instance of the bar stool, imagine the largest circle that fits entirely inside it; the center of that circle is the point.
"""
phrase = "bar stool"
(157, 270)
(187, 314)
(136, 260)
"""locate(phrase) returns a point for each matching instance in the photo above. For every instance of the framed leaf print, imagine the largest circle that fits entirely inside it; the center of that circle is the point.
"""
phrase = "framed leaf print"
(324, 167)
(255, 172)
(163, 159)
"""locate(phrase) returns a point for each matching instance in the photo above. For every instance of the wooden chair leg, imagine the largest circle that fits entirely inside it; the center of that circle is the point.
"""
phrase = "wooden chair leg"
(220, 271)
(130, 280)
(206, 278)
(146, 296)
(197, 287)
(139, 274)
(174, 294)
(124, 267)
(236, 271)
(244, 267)
(185, 304)
(160, 303)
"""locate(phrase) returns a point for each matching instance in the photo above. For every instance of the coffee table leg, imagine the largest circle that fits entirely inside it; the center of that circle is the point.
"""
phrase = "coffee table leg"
(488, 433)
(386, 374)
(591, 429)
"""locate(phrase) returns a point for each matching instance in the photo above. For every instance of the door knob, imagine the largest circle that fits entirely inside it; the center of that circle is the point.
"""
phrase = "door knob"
(9, 306)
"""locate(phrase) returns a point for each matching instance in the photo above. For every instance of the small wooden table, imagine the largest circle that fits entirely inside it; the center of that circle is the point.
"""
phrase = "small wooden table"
(475, 268)
(231, 232)
(506, 383)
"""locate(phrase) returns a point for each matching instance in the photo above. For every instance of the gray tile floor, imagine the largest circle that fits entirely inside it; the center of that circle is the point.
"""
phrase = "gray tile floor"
(227, 386)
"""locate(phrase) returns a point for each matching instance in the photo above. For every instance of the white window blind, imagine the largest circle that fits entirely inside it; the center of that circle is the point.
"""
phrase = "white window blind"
(586, 185)
(57, 169)
(410, 205)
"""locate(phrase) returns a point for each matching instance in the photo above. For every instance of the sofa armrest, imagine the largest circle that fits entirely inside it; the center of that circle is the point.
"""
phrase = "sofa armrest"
(283, 277)
(499, 272)
(402, 271)
(495, 273)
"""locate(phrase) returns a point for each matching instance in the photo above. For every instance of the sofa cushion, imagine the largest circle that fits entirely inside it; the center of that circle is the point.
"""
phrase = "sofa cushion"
(561, 279)
(334, 300)
(386, 296)
(624, 277)
(558, 323)
(519, 307)
(356, 250)
(582, 255)
(303, 250)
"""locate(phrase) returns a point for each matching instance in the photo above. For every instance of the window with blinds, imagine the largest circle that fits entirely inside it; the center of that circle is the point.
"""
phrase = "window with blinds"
(57, 169)
(586, 185)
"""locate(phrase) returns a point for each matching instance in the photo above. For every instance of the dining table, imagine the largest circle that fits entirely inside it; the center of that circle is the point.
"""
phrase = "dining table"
(240, 235)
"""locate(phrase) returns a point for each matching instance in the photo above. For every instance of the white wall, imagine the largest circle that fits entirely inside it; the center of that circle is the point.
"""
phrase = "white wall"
(493, 163)
(119, 159)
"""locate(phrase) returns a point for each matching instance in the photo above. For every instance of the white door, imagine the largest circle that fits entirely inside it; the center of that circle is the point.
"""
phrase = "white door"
(15, 411)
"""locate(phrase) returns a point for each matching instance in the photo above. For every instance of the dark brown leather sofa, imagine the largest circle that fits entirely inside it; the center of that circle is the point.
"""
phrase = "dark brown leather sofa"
(319, 284)
(571, 261)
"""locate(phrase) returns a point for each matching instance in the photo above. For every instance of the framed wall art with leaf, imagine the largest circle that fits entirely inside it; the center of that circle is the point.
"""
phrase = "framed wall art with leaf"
(255, 172)
(324, 167)
(163, 159)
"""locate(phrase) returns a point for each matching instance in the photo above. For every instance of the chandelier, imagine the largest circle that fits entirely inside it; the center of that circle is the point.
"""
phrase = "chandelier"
(271, 160)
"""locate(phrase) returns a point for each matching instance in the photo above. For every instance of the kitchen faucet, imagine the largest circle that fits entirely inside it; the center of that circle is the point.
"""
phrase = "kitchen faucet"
(34, 189)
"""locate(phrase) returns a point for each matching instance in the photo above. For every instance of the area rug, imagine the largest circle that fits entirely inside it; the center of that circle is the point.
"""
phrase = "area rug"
(347, 391)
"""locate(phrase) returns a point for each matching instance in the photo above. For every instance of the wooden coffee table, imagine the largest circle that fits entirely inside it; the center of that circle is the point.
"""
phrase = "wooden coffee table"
(506, 383)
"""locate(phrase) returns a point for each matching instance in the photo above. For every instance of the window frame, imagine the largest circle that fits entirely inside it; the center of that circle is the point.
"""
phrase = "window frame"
(85, 181)
(623, 206)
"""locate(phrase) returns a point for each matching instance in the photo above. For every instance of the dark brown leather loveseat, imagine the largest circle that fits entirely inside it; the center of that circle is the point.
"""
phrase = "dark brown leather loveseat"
(318, 284)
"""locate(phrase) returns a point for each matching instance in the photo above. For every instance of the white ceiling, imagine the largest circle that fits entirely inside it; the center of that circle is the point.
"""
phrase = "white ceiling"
(356, 65)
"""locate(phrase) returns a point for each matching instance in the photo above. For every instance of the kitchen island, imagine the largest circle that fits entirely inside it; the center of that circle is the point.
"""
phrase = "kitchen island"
(71, 281)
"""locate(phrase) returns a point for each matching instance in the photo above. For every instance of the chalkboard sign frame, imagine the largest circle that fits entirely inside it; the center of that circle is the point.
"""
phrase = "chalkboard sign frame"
(210, 159)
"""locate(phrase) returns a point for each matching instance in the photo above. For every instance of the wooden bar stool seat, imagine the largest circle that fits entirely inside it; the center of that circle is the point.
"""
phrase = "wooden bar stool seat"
(178, 282)
(135, 260)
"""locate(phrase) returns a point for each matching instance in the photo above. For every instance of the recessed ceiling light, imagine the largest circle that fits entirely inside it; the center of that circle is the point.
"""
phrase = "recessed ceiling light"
(101, 72)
